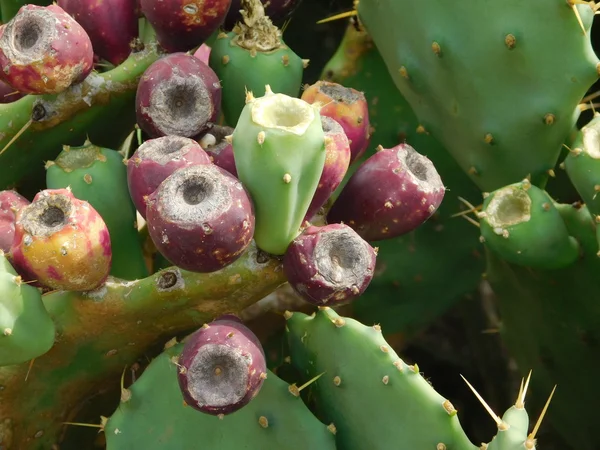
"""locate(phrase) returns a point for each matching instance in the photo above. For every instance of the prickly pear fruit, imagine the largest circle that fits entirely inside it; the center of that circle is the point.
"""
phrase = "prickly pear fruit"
(329, 265)
(10, 203)
(520, 223)
(203, 53)
(337, 161)
(348, 107)
(178, 95)
(279, 150)
(98, 176)
(276, 10)
(111, 25)
(155, 160)
(61, 242)
(250, 57)
(43, 50)
(391, 193)
(200, 218)
(274, 419)
(26, 329)
(181, 25)
(217, 144)
(222, 367)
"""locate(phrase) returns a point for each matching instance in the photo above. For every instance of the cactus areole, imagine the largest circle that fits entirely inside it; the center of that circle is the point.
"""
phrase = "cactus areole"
(279, 151)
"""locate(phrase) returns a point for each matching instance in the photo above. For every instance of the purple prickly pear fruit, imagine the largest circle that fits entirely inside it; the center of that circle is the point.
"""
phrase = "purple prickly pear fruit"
(181, 25)
(346, 106)
(110, 24)
(43, 50)
(200, 218)
(61, 242)
(329, 265)
(222, 367)
(390, 194)
(178, 95)
(155, 160)
(337, 160)
(203, 53)
(10, 204)
(276, 10)
(8, 94)
(219, 148)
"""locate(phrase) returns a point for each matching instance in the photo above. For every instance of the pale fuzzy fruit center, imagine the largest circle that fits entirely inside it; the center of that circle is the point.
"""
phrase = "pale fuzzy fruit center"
(510, 206)
(282, 112)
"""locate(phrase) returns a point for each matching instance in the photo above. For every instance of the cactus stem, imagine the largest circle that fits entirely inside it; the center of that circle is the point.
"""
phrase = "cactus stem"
(530, 442)
(497, 419)
(16, 136)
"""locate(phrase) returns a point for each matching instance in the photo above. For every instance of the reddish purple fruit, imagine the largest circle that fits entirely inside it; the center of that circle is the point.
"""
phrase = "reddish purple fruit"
(110, 24)
(337, 160)
(276, 10)
(181, 25)
(219, 148)
(391, 193)
(203, 53)
(155, 160)
(200, 218)
(178, 95)
(346, 106)
(329, 265)
(10, 204)
(43, 50)
(222, 367)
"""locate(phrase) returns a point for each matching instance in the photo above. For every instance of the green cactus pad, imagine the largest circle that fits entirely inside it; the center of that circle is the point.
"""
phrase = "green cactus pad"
(374, 399)
(101, 332)
(155, 417)
(521, 224)
(99, 176)
(251, 56)
(26, 329)
(102, 107)
(279, 150)
(583, 164)
(551, 325)
(498, 83)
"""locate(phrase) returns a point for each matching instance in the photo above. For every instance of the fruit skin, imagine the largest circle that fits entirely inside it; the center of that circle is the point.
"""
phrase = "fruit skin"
(337, 161)
(62, 43)
(200, 218)
(160, 419)
(329, 265)
(155, 160)
(392, 193)
(222, 348)
(8, 94)
(348, 107)
(98, 176)
(73, 255)
(181, 25)
(26, 329)
(111, 25)
(280, 165)
(251, 56)
(178, 95)
(10, 203)
(220, 149)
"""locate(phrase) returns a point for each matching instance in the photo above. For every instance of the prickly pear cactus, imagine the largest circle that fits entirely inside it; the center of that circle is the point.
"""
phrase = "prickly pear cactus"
(327, 217)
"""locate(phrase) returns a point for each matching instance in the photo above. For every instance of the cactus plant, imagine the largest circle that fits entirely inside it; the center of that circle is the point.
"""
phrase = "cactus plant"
(248, 287)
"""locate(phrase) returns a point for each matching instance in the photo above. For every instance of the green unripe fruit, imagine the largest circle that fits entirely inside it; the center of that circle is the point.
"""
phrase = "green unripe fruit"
(279, 151)
(521, 224)
(251, 56)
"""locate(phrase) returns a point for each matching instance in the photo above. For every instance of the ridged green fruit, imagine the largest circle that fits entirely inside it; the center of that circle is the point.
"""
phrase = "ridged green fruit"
(279, 151)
